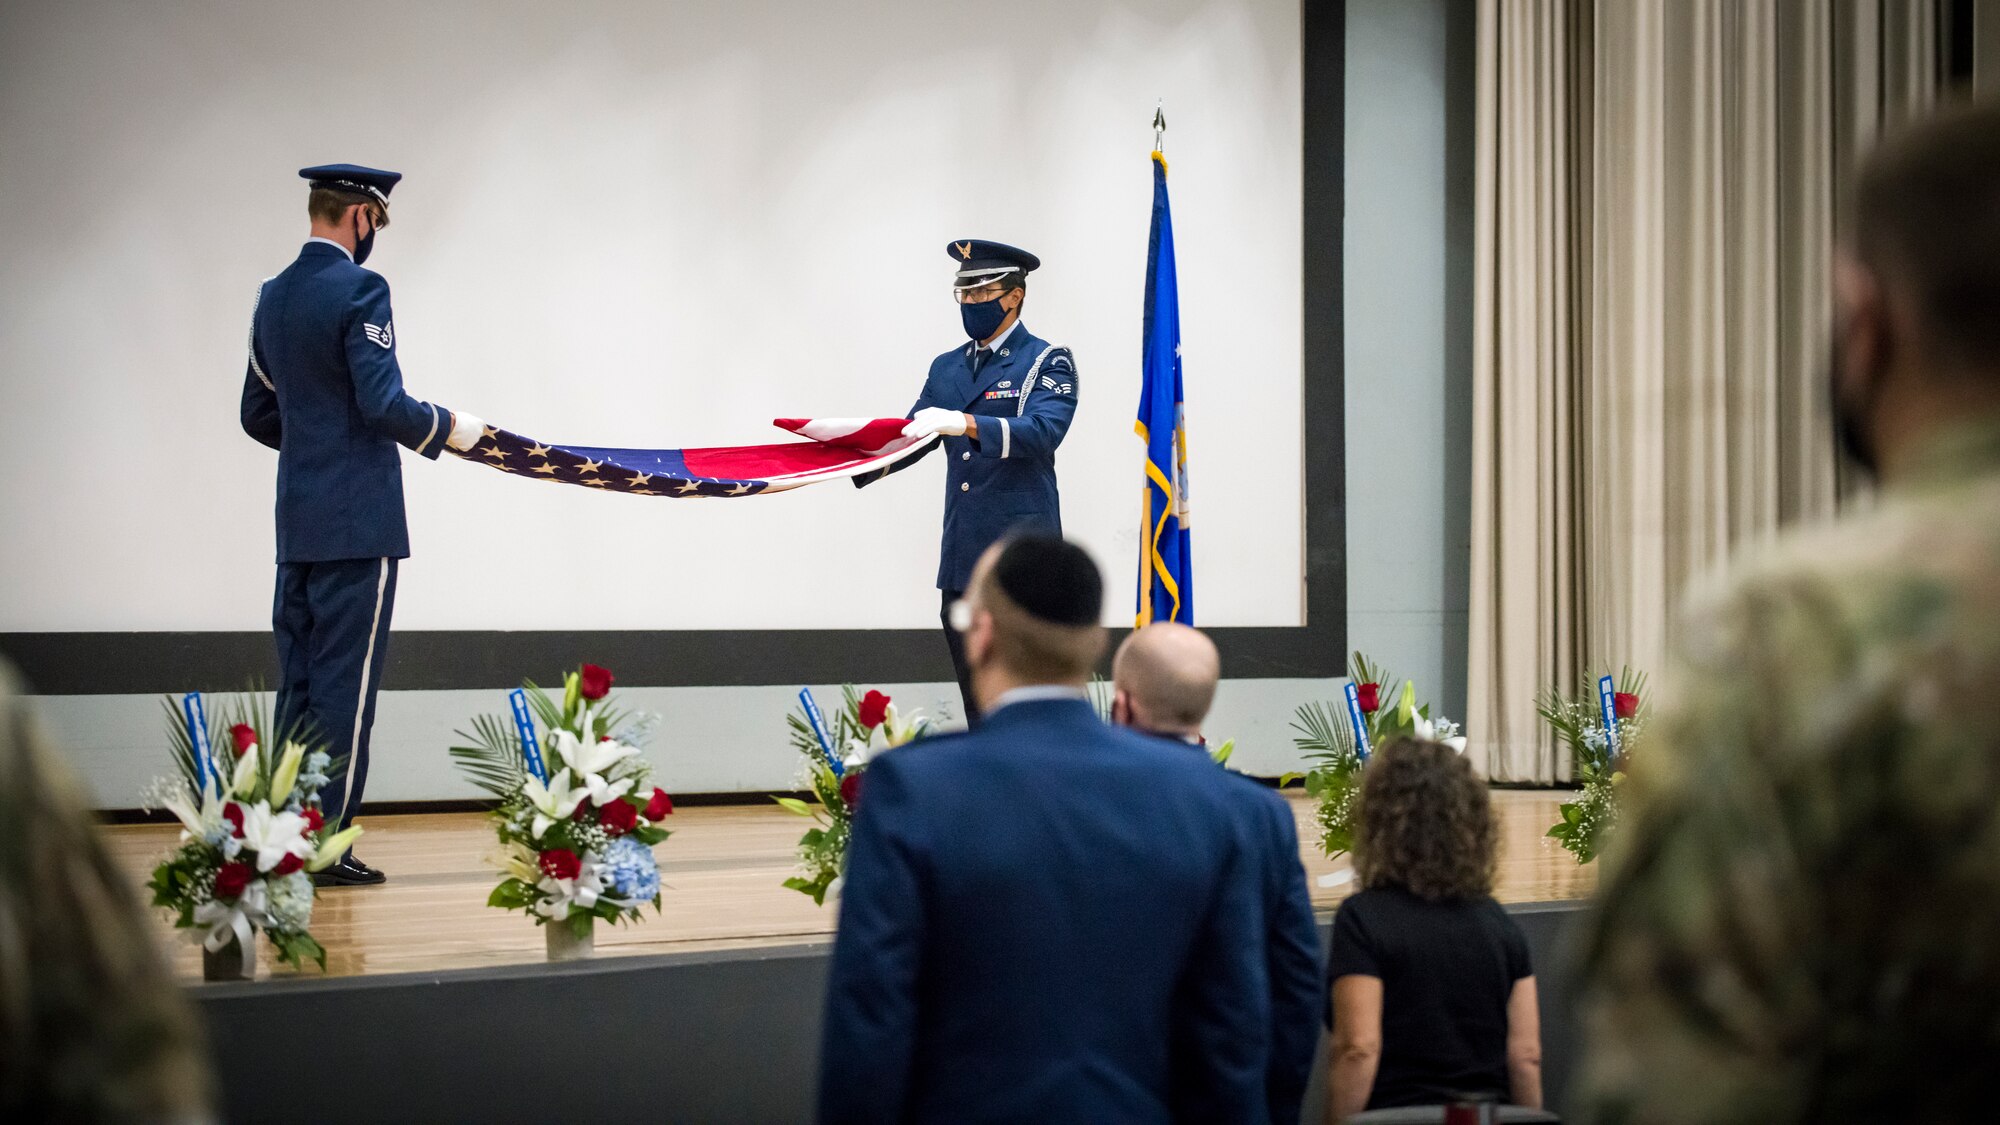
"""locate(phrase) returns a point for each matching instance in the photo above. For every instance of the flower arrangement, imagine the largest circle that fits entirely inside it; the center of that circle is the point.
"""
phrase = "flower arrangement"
(1600, 753)
(576, 844)
(251, 832)
(865, 726)
(1327, 738)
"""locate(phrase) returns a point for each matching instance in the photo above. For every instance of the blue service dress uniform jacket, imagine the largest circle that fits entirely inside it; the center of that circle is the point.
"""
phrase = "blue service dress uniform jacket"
(1047, 919)
(1291, 945)
(1024, 397)
(324, 390)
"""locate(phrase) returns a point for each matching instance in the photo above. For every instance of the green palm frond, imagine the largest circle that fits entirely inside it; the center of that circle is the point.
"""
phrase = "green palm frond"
(1362, 670)
(493, 762)
(180, 739)
(1324, 735)
(548, 712)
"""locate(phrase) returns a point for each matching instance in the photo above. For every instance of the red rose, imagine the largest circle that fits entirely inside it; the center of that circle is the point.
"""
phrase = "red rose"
(874, 708)
(560, 863)
(1371, 698)
(596, 681)
(582, 813)
(618, 817)
(314, 821)
(233, 813)
(287, 865)
(660, 806)
(850, 788)
(1624, 704)
(244, 736)
(231, 879)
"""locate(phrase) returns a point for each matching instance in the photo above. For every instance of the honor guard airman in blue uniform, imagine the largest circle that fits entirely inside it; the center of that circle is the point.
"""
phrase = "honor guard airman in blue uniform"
(1002, 402)
(324, 390)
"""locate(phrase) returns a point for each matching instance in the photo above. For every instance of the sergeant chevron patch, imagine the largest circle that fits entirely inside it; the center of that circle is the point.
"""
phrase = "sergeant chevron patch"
(384, 336)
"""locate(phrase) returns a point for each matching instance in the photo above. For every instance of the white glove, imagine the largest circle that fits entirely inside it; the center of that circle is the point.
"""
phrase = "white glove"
(466, 430)
(935, 420)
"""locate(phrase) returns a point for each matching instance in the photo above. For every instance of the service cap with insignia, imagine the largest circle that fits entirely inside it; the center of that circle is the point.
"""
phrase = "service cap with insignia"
(372, 183)
(980, 261)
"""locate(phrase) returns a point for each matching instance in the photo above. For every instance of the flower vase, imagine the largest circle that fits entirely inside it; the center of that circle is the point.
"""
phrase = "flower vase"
(231, 962)
(564, 945)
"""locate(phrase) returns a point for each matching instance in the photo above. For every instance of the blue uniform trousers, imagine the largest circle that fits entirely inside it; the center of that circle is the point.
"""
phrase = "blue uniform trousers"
(331, 620)
(955, 643)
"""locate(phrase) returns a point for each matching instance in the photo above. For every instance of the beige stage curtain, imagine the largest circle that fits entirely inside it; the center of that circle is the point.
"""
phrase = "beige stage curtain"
(1656, 193)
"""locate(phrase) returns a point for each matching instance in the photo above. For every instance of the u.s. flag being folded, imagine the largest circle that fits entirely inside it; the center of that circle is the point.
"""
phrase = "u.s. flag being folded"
(837, 448)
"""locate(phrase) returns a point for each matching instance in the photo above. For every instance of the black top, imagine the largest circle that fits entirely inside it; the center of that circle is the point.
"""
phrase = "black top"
(1447, 969)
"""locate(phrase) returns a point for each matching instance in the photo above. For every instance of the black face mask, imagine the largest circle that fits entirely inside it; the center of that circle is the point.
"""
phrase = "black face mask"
(364, 244)
(1850, 431)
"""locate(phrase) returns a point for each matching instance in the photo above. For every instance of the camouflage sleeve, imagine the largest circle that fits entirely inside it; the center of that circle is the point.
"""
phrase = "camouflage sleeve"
(1695, 989)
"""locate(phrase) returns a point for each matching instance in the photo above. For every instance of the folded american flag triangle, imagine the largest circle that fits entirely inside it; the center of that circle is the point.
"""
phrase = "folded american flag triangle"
(839, 448)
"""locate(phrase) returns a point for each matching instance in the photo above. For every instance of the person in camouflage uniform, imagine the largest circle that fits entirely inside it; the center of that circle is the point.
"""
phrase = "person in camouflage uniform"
(1800, 917)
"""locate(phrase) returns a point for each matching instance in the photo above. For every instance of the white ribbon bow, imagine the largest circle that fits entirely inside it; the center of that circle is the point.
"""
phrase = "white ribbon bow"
(238, 919)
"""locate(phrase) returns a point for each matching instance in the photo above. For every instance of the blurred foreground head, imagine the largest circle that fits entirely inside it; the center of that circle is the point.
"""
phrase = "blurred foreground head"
(91, 1026)
(1164, 678)
(1917, 289)
(1032, 616)
(1425, 823)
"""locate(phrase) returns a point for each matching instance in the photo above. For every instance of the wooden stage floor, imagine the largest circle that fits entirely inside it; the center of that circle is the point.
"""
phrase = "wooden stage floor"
(722, 872)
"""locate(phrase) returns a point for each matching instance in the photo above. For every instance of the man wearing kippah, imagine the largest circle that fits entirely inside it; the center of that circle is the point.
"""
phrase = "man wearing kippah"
(324, 390)
(1002, 402)
(1020, 939)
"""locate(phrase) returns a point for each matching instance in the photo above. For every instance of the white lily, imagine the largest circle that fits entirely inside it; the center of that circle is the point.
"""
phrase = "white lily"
(593, 762)
(552, 802)
(246, 773)
(898, 731)
(287, 773)
(518, 861)
(198, 820)
(216, 922)
(860, 751)
(1426, 731)
(274, 835)
(333, 847)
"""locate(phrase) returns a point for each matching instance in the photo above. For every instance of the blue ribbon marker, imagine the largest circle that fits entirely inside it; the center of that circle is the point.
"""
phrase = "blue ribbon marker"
(1360, 722)
(197, 721)
(818, 722)
(1607, 701)
(524, 725)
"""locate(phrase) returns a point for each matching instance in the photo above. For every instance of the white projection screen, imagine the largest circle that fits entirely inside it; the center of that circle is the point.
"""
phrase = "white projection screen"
(645, 224)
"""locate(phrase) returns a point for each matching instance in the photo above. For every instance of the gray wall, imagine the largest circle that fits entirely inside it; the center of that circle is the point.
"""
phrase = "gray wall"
(1408, 291)
(1409, 337)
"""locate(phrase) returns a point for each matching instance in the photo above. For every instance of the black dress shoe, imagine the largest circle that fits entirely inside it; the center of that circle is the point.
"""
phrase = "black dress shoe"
(349, 872)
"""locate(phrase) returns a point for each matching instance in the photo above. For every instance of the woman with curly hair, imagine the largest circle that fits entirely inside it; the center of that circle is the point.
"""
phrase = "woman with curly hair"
(1433, 994)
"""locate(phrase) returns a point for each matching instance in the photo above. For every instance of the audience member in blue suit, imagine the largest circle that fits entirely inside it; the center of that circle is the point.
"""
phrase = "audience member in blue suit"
(1164, 680)
(1047, 919)
(323, 389)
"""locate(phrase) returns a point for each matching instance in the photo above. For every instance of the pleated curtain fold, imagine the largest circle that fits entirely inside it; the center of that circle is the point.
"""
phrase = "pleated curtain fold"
(1656, 193)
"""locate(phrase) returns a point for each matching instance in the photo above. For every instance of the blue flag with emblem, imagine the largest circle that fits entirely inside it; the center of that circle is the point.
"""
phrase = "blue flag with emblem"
(1166, 560)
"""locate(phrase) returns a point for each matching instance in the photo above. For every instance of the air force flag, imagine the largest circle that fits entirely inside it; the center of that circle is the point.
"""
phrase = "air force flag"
(1166, 562)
